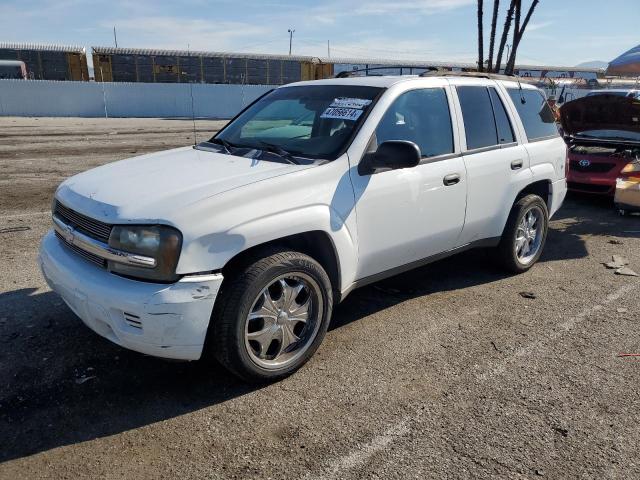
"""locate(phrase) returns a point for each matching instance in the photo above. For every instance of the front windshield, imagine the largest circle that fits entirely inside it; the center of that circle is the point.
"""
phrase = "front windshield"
(314, 121)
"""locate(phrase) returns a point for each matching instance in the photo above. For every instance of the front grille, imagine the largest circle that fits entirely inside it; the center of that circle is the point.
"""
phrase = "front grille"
(588, 187)
(592, 168)
(101, 262)
(93, 228)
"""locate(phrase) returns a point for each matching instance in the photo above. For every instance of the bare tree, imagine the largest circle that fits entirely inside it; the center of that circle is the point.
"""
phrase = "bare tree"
(518, 33)
(480, 38)
(492, 37)
(505, 34)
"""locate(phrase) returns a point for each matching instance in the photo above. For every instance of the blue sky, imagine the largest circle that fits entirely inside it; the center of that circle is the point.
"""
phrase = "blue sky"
(561, 32)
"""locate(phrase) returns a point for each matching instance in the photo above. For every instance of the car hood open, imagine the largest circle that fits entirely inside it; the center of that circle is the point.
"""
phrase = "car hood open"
(151, 186)
(602, 113)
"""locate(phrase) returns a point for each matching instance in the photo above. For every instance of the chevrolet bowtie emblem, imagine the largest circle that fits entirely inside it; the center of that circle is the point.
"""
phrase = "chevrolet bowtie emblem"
(69, 233)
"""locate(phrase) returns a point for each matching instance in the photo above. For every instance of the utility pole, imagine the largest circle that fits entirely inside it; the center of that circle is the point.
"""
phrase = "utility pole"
(328, 50)
(291, 31)
(115, 37)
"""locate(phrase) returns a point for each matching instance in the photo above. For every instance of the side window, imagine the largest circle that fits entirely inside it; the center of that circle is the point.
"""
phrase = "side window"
(536, 115)
(503, 125)
(422, 117)
(477, 113)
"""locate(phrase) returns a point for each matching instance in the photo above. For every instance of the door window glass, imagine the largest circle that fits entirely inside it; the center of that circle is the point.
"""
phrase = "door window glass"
(537, 117)
(505, 132)
(477, 113)
(420, 116)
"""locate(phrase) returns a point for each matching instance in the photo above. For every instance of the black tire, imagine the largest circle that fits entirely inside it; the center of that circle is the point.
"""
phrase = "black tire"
(236, 298)
(506, 249)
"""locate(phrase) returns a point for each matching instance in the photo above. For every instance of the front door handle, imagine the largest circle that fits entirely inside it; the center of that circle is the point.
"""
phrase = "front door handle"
(451, 179)
(517, 164)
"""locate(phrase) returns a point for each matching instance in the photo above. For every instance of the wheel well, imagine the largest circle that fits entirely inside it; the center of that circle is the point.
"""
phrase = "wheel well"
(541, 188)
(317, 244)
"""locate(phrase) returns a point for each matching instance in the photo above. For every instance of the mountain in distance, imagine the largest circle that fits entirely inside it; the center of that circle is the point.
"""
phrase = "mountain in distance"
(593, 64)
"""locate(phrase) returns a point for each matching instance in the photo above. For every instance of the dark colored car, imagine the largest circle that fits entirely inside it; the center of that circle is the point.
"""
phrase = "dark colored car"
(603, 133)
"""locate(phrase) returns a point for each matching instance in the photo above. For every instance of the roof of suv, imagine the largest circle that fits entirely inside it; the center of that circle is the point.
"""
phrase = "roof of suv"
(385, 81)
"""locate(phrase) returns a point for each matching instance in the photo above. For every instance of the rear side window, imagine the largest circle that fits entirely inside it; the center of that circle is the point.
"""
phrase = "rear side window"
(503, 125)
(419, 116)
(535, 113)
(477, 112)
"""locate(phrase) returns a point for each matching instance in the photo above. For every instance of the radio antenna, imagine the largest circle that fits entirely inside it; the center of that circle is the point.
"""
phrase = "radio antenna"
(193, 112)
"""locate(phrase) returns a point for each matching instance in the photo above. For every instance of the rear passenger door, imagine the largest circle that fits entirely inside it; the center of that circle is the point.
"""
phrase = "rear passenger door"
(497, 165)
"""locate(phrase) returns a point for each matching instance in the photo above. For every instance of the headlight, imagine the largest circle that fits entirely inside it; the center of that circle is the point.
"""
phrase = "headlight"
(159, 242)
(632, 167)
(631, 171)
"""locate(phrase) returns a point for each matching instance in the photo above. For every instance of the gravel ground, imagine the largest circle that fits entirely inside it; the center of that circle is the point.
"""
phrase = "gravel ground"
(443, 372)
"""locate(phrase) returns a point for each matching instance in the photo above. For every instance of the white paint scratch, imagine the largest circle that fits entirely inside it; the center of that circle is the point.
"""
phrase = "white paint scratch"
(563, 327)
(363, 452)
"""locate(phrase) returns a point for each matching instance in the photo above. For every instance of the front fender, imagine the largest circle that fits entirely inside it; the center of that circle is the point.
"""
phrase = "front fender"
(317, 199)
(213, 251)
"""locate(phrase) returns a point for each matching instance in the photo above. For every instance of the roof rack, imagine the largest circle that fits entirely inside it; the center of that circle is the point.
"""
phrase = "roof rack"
(366, 70)
(491, 76)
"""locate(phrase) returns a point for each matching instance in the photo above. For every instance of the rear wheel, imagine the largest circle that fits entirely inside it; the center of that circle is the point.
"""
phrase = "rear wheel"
(524, 235)
(272, 315)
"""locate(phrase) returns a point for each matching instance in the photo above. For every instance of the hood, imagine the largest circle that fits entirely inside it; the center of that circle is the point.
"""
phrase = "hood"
(152, 186)
(603, 116)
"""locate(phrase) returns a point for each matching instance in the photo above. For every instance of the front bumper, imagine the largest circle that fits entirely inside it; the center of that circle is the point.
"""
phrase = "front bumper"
(167, 321)
(597, 185)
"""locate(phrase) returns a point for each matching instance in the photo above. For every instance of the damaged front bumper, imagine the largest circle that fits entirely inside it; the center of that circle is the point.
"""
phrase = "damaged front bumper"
(169, 321)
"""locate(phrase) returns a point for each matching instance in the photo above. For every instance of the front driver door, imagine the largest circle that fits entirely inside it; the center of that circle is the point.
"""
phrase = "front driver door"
(407, 215)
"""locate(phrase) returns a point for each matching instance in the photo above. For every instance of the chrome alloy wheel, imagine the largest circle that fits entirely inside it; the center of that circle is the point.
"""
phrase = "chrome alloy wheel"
(529, 235)
(284, 320)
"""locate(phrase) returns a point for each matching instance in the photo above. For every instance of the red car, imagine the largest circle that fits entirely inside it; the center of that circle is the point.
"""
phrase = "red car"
(603, 133)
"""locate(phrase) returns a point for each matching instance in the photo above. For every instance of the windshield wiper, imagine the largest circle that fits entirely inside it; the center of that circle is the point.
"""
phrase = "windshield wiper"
(278, 150)
(220, 141)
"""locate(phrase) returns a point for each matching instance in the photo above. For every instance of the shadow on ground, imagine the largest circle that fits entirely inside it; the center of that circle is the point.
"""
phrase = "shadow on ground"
(62, 384)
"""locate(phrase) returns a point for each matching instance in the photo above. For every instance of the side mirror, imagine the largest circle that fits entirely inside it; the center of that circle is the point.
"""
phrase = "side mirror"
(390, 155)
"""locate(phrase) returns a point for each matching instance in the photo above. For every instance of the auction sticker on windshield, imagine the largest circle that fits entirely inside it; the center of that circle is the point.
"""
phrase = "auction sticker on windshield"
(343, 102)
(342, 113)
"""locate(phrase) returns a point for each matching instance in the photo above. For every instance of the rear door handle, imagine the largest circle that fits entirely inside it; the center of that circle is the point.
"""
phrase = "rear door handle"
(451, 179)
(517, 164)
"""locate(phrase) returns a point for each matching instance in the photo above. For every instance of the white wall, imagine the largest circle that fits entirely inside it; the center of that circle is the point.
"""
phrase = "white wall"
(43, 98)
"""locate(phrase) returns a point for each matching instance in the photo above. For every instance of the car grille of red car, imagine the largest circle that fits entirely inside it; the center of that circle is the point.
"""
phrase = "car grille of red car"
(592, 167)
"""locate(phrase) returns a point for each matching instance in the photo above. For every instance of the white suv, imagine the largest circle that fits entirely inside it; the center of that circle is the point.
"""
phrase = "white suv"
(241, 245)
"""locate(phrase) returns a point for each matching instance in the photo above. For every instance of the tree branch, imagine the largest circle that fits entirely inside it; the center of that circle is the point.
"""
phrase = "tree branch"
(480, 38)
(518, 34)
(508, 70)
(492, 38)
(505, 33)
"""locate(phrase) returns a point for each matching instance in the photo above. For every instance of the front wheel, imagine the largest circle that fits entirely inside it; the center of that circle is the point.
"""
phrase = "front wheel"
(272, 315)
(524, 235)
